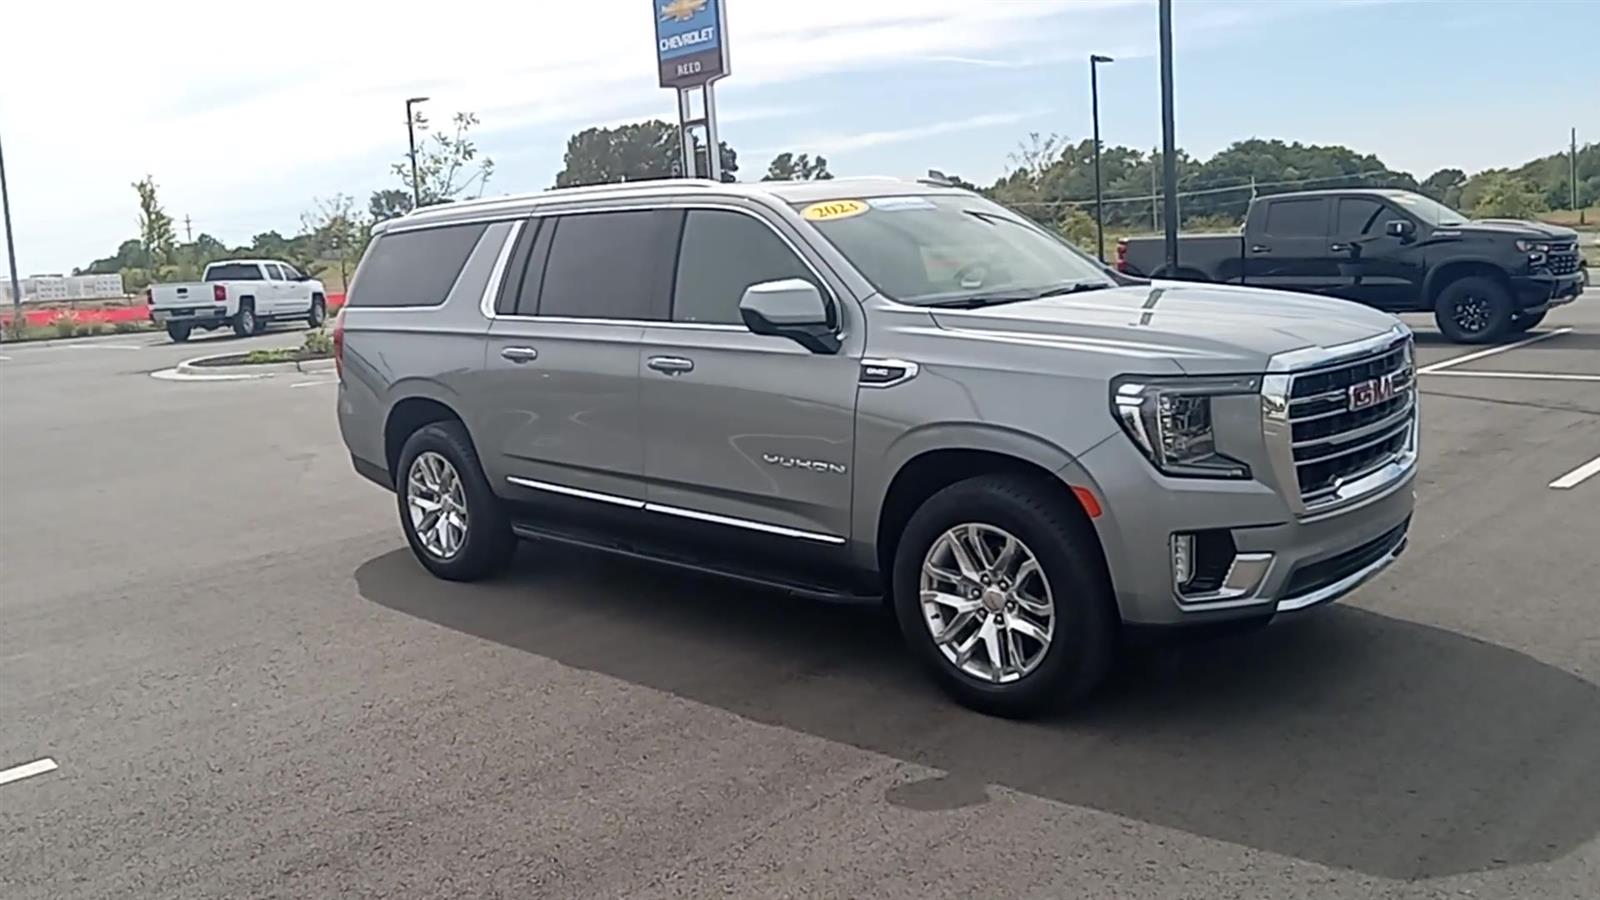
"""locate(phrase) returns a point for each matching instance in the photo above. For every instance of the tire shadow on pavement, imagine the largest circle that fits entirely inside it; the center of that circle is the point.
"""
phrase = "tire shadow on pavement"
(1345, 738)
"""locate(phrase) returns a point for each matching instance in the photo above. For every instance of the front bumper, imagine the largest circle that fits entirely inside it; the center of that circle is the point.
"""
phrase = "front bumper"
(1285, 562)
(1540, 291)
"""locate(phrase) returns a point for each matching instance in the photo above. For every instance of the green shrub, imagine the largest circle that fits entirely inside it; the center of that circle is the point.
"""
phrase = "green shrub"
(318, 343)
(14, 331)
(132, 326)
(65, 325)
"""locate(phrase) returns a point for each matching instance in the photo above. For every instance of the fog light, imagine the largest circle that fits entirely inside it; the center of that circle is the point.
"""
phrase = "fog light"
(1182, 559)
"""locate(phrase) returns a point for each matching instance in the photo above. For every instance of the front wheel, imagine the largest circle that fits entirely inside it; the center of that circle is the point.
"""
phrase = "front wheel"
(319, 312)
(1527, 323)
(178, 333)
(1474, 310)
(1000, 592)
(452, 519)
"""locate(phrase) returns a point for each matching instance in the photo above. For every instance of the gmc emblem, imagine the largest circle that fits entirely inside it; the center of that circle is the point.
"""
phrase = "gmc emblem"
(1371, 393)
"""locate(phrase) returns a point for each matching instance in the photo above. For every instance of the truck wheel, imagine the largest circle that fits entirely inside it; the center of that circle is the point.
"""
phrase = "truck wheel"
(1521, 324)
(178, 333)
(1473, 310)
(319, 312)
(452, 519)
(999, 590)
(244, 321)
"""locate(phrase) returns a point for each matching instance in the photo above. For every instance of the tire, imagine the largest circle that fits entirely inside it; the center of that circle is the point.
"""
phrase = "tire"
(245, 322)
(178, 333)
(318, 313)
(1082, 628)
(1521, 324)
(1474, 310)
(486, 543)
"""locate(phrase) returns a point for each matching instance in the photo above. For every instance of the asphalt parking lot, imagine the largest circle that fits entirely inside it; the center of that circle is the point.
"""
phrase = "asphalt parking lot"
(212, 627)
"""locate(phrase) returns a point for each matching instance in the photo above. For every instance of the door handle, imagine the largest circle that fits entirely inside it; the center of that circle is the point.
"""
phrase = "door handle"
(671, 365)
(1260, 248)
(520, 355)
(1339, 248)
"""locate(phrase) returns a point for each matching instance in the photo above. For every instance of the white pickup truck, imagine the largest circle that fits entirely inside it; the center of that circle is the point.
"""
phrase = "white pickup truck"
(244, 294)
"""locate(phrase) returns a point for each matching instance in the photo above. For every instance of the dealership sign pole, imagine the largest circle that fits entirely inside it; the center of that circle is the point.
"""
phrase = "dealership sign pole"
(691, 54)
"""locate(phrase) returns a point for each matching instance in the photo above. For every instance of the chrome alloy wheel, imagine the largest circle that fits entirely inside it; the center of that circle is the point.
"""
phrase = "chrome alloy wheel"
(437, 501)
(987, 603)
(1471, 314)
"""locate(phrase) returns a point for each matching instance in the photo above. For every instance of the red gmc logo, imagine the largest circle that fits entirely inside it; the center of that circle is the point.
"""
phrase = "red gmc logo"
(1371, 393)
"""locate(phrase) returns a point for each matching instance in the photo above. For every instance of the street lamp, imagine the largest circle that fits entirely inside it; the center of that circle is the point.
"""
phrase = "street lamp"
(1095, 60)
(411, 137)
(11, 248)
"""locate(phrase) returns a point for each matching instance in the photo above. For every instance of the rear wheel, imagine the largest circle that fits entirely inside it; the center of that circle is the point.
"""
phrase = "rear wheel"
(452, 519)
(244, 321)
(178, 333)
(1000, 592)
(1473, 310)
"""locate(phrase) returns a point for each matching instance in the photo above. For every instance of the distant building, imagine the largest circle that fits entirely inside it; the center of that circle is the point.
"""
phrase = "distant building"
(53, 288)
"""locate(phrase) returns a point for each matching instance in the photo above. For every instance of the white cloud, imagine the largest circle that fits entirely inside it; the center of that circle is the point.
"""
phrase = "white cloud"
(840, 143)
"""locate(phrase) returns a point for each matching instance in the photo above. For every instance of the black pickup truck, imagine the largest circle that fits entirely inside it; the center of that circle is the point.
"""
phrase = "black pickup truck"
(1395, 250)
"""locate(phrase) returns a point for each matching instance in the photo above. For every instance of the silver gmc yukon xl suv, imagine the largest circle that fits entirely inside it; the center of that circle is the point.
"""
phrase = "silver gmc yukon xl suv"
(877, 388)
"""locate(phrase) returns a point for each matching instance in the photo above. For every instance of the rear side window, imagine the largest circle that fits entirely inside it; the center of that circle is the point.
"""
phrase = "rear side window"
(607, 266)
(234, 272)
(721, 254)
(1358, 215)
(273, 272)
(414, 268)
(1297, 218)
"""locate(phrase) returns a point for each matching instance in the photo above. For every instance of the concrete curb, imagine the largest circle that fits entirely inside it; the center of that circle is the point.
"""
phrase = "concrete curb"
(193, 369)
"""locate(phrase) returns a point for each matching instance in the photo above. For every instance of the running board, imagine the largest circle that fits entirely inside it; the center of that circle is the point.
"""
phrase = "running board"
(660, 556)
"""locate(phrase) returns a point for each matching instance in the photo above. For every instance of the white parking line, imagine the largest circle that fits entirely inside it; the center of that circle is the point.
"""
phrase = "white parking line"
(315, 383)
(1577, 476)
(103, 347)
(1450, 363)
(1530, 376)
(28, 770)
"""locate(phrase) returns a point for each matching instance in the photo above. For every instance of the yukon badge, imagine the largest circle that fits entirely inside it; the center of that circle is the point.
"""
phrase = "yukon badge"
(811, 465)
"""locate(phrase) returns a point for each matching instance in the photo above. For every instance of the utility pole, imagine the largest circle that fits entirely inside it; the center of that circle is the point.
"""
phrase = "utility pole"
(188, 229)
(1572, 179)
(11, 248)
(1155, 195)
(1094, 100)
(1169, 140)
(411, 138)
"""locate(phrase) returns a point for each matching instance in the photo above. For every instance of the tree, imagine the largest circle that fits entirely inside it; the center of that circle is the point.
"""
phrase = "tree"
(155, 226)
(1445, 186)
(1505, 196)
(639, 151)
(788, 167)
(385, 205)
(336, 231)
(448, 164)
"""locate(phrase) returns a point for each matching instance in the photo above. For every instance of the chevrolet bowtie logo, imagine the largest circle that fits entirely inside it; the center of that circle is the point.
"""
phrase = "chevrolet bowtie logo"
(682, 10)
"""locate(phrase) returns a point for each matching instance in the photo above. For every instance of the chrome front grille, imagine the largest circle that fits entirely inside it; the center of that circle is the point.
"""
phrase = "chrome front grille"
(1335, 421)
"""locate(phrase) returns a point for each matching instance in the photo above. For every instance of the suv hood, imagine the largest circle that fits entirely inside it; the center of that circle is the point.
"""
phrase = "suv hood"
(1518, 227)
(1206, 329)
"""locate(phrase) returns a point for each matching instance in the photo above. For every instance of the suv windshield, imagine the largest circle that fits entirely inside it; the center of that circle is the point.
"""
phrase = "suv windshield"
(1428, 210)
(937, 248)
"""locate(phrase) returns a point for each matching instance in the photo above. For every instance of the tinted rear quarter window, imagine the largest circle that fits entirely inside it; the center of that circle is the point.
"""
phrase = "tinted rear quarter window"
(1297, 218)
(414, 268)
(234, 272)
(607, 266)
(721, 254)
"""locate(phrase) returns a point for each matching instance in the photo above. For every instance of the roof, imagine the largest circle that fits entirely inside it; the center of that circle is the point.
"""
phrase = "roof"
(782, 191)
(245, 262)
(1342, 192)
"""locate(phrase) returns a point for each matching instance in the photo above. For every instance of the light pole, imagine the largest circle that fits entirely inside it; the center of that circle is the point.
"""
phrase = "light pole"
(11, 248)
(1169, 140)
(411, 137)
(1094, 99)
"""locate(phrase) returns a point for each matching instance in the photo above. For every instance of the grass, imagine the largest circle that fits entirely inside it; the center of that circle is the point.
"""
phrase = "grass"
(1570, 217)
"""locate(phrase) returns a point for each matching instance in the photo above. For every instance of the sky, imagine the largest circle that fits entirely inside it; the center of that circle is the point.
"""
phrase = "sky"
(246, 115)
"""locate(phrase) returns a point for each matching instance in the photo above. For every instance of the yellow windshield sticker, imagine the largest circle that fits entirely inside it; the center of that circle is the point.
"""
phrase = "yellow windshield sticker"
(833, 209)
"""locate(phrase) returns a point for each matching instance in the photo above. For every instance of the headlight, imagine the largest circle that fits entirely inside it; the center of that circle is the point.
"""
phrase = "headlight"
(1533, 246)
(1170, 422)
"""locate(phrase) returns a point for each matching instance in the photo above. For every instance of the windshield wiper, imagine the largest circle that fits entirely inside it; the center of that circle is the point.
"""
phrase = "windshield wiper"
(995, 298)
